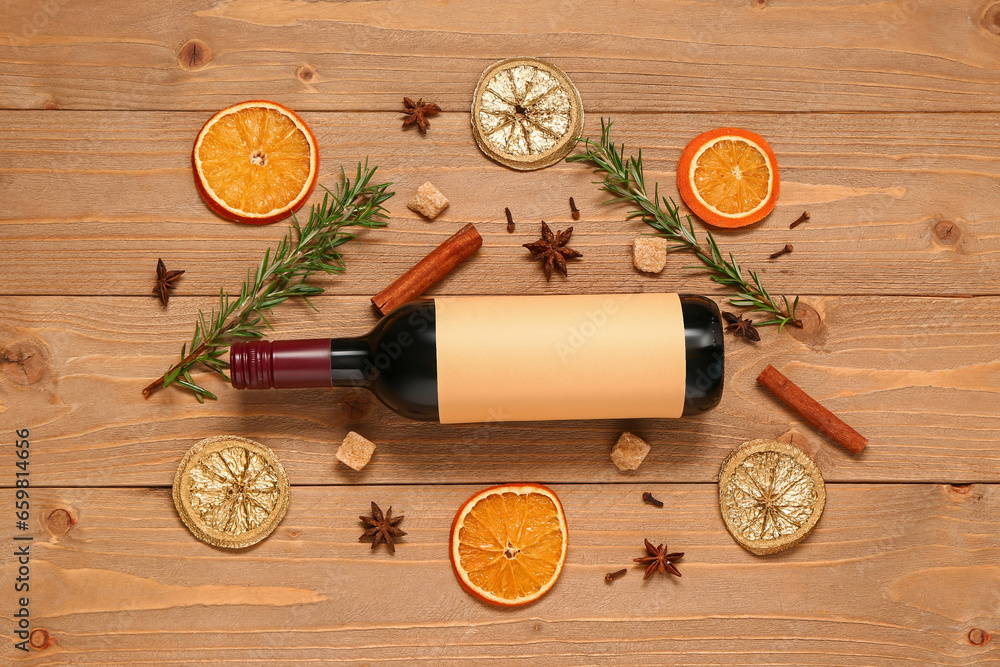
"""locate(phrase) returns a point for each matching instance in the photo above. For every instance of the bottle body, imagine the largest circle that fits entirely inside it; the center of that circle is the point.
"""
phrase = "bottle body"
(475, 359)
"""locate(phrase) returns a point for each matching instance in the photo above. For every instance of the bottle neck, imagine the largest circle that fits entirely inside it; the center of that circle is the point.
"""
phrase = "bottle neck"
(350, 362)
(287, 364)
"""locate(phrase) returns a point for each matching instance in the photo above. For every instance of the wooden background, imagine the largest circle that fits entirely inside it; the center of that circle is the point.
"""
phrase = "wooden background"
(884, 117)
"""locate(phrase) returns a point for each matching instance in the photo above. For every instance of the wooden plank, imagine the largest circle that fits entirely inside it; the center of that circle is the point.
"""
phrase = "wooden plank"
(892, 575)
(918, 376)
(650, 55)
(901, 204)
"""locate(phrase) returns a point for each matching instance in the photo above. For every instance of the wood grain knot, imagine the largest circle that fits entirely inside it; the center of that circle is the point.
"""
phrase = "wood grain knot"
(991, 18)
(357, 405)
(978, 637)
(294, 533)
(40, 639)
(947, 232)
(59, 522)
(813, 331)
(306, 73)
(22, 363)
(194, 54)
(962, 493)
(50, 104)
(813, 449)
(759, 4)
(812, 322)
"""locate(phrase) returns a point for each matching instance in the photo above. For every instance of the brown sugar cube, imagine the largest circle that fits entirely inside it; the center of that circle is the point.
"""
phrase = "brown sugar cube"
(355, 451)
(629, 451)
(649, 253)
(428, 201)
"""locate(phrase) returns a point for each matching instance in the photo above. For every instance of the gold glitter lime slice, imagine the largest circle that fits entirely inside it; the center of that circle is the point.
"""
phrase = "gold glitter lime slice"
(230, 491)
(771, 495)
(526, 113)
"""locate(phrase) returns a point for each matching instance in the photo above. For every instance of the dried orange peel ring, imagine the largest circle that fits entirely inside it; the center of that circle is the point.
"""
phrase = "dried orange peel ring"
(255, 162)
(230, 491)
(728, 177)
(771, 495)
(526, 113)
(508, 543)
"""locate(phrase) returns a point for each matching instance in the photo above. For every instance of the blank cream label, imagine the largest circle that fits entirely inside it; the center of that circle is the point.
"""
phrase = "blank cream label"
(526, 358)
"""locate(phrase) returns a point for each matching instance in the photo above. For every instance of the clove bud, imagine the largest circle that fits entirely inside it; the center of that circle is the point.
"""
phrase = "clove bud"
(802, 218)
(573, 209)
(648, 497)
(784, 251)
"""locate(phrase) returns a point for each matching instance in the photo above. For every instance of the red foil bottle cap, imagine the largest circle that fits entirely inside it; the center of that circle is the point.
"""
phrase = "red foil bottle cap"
(282, 364)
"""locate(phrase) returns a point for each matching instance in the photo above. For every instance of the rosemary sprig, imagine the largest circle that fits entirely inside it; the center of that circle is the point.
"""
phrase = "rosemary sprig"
(281, 275)
(625, 180)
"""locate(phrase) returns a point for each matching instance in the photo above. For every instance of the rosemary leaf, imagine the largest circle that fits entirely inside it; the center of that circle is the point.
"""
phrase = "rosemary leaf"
(624, 178)
(281, 275)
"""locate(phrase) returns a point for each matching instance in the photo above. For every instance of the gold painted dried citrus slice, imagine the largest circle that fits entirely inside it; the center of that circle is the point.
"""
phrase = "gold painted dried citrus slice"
(230, 491)
(771, 495)
(526, 113)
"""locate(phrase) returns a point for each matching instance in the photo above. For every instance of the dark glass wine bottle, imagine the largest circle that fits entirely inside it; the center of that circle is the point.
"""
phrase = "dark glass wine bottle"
(476, 359)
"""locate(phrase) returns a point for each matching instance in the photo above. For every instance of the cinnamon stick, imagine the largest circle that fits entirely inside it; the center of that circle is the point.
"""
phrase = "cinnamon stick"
(791, 395)
(429, 270)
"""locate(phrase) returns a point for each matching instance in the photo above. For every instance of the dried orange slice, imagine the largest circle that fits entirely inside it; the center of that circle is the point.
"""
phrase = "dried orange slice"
(508, 543)
(255, 162)
(728, 177)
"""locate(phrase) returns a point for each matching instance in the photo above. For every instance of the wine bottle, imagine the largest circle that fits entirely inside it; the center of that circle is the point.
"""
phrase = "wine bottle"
(515, 358)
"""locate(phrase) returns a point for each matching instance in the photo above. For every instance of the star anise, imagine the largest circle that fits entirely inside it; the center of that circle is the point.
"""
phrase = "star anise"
(740, 326)
(659, 560)
(417, 112)
(165, 281)
(552, 248)
(382, 528)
